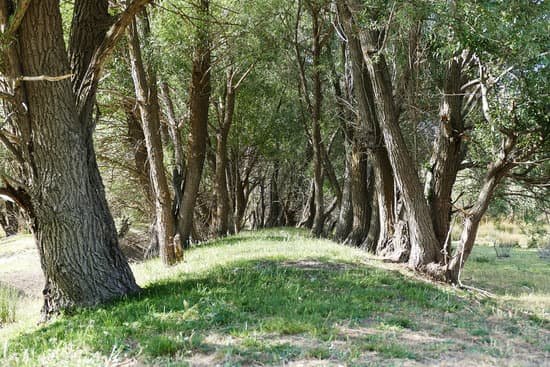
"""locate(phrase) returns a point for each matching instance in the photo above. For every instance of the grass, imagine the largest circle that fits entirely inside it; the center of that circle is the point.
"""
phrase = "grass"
(521, 280)
(277, 296)
(8, 304)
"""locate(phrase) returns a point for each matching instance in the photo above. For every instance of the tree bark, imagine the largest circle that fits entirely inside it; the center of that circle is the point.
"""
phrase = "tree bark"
(345, 217)
(178, 156)
(199, 101)
(75, 233)
(448, 151)
(497, 170)
(145, 85)
(369, 129)
(360, 182)
(9, 218)
(424, 244)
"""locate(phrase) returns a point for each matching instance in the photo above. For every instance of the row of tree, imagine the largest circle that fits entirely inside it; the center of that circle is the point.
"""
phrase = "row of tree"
(379, 124)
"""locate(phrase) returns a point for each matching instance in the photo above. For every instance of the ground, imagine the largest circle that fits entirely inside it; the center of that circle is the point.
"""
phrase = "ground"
(279, 297)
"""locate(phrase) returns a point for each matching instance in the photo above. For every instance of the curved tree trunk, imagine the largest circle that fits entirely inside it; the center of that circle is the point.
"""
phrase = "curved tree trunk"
(497, 170)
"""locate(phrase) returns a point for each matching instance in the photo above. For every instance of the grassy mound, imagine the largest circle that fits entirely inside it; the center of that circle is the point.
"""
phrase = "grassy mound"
(276, 297)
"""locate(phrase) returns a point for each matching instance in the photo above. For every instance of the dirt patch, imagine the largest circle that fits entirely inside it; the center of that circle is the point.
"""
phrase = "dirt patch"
(23, 272)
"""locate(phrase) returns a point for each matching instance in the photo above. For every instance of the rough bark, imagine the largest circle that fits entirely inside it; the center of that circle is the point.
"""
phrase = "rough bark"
(199, 101)
(369, 129)
(424, 244)
(145, 85)
(9, 218)
(448, 150)
(74, 230)
(361, 203)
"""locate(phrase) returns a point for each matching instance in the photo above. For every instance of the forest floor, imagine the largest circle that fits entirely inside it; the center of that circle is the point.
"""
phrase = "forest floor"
(279, 297)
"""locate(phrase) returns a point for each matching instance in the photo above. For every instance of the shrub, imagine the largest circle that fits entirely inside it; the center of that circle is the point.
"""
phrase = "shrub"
(503, 249)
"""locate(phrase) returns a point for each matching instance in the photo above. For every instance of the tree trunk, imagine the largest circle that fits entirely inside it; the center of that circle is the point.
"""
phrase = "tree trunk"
(370, 128)
(308, 212)
(360, 182)
(199, 101)
(385, 197)
(145, 85)
(448, 151)
(9, 218)
(319, 218)
(136, 140)
(275, 207)
(178, 155)
(497, 170)
(345, 217)
(75, 233)
(220, 185)
(424, 244)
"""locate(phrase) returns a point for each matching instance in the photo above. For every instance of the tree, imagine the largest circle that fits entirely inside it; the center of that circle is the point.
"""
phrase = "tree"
(147, 99)
(199, 102)
(61, 187)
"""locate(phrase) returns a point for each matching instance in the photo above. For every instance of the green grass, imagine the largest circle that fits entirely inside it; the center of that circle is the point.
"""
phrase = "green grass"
(9, 299)
(273, 297)
(522, 280)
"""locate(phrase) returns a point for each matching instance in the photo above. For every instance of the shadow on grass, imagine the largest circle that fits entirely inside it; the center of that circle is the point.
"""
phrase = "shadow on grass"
(243, 300)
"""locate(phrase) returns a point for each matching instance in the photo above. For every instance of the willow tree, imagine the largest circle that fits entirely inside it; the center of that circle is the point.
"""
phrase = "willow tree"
(50, 91)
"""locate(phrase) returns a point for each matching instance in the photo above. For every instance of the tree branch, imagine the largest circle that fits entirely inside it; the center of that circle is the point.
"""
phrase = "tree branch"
(20, 11)
(90, 80)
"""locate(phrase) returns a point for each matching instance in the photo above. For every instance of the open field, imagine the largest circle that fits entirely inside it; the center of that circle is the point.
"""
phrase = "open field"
(278, 297)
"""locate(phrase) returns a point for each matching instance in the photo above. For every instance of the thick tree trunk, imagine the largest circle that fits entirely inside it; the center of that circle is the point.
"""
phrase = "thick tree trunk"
(448, 151)
(370, 127)
(385, 197)
(145, 85)
(199, 101)
(360, 182)
(424, 245)
(75, 233)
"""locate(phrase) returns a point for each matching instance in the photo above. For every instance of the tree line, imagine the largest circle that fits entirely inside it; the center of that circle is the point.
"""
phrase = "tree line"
(382, 125)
